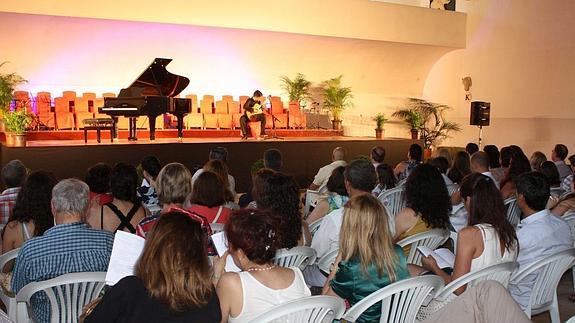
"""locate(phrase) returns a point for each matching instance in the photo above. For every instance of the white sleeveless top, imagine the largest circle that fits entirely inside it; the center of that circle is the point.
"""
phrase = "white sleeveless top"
(491, 249)
(258, 298)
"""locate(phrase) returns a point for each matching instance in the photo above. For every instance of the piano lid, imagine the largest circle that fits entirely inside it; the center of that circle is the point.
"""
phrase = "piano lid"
(156, 81)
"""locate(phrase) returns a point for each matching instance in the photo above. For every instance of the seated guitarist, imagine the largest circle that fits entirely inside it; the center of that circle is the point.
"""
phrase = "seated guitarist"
(253, 111)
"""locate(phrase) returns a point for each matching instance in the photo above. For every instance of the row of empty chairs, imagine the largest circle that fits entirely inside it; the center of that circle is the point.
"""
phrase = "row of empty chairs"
(69, 110)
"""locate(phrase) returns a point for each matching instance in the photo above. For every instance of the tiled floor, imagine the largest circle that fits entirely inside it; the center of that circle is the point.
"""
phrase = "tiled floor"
(566, 307)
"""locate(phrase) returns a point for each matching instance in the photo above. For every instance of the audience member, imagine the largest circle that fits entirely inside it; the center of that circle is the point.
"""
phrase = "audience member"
(558, 155)
(253, 238)
(259, 180)
(385, 179)
(565, 203)
(471, 148)
(32, 214)
(549, 170)
(208, 198)
(489, 238)
(480, 164)
(13, 175)
(70, 246)
(323, 174)
(537, 158)
(444, 152)
(147, 191)
(219, 153)
(171, 281)
(505, 159)
(368, 259)
(273, 159)
(98, 180)
(336, 196)
(566, 183)
(540, 233)
(442, 166)
(377, 155)
(518, 165)
(125, 211)
(414, 157)
(221, 169)
(280, 195)
(428, 204)
(461, 167)
(495, 168)
(360, 177)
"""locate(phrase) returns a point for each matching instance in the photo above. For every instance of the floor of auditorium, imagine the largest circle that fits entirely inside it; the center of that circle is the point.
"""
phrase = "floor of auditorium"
(566, 307)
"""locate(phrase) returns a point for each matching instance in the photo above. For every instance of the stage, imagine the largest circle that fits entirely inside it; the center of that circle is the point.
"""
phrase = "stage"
(304, 151)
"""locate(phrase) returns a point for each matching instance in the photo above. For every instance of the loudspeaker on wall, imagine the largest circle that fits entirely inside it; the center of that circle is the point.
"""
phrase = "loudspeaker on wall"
(480, 113)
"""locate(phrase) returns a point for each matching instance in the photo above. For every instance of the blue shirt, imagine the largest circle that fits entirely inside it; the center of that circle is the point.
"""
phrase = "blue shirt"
(63, 249)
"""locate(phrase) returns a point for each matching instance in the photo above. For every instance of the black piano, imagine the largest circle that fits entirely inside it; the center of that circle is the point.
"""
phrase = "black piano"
(151, 94)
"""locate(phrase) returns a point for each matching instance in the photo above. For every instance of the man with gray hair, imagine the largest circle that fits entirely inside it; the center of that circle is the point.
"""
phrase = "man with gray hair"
(13, 176)
(70, 246)
(323, 174)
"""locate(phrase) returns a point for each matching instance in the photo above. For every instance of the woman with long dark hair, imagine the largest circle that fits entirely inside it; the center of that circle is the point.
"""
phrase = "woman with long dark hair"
(208, 198)
(488, 239)
(171, 282)
(428, 204)
(518, 165)
(32, 213)
(461, 167)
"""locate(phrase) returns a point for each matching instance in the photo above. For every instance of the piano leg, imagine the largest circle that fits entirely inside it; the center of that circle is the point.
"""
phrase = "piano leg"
(115, 128)
(152, 121)
(180, 118)
(132, 136)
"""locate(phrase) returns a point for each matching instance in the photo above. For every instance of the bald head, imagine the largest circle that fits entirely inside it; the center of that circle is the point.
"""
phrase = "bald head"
(338, 153)
(480, 162)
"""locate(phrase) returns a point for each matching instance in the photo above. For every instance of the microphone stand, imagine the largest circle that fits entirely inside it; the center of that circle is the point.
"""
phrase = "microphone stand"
(274, 133)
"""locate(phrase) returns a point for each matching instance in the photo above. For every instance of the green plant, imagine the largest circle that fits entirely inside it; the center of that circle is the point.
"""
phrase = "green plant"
(257, 165)
(297, 89)
(336, 97)
(428, 118)
(8, 83)
(380, 120)
(17, 121)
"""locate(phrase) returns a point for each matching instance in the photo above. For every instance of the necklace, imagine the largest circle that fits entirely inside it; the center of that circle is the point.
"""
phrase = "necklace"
(261, 268)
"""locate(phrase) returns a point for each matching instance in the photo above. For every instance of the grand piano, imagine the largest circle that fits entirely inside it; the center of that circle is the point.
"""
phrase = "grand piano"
(151, 95)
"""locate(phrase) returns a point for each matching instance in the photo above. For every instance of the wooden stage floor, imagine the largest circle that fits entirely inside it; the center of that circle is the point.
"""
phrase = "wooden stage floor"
(302, 155)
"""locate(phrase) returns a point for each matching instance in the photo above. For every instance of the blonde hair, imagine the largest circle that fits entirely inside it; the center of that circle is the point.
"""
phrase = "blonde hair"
(174, 184)
(176, 272)
(365, 236)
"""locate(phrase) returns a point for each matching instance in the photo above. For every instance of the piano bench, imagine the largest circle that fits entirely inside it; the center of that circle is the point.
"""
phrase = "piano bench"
(98, 124)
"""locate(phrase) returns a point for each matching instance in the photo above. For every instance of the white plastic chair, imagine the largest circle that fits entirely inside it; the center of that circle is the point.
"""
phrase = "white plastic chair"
(499, 272)
(549, 271)
(9, 302)
(300, 257)
(569, 217)
(513, 211)
(571, 320)
(327, 260)
(313, 309)
(400, 301)
(67, 295)
(393, 200)
(313, 227)
(452, 188)
(431, 239)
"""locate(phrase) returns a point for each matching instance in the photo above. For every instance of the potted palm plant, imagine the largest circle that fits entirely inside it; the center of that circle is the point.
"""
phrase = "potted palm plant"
(297, 89)
(412, 118)
(16, 124)
(336, 99)
(8, 83)
(380, 121)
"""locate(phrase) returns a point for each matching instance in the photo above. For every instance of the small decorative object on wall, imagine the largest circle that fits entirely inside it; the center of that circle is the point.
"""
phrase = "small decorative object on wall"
(432, 124)
(380, 121)
(336, 99)
(442, 4)
(467, 83)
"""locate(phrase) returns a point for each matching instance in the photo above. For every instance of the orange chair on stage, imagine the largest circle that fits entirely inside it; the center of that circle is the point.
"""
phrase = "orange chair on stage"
(194, 119)
(206, 108)
(281, 118)
(63, 110)
(224, 118)
(296, 117)
(43, 103)
(22, 100)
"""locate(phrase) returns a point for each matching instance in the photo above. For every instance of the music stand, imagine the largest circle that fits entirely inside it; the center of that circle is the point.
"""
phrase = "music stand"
(273, 130)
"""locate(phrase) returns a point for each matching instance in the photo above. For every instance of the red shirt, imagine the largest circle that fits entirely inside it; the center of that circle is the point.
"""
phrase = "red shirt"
(210, 213)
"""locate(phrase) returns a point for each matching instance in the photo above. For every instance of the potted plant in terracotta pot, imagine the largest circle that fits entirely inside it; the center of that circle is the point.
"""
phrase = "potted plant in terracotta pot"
(336, 99)
(16, 124)
(297, 89)
(380, 121)
(412, 118)
(8, 83)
